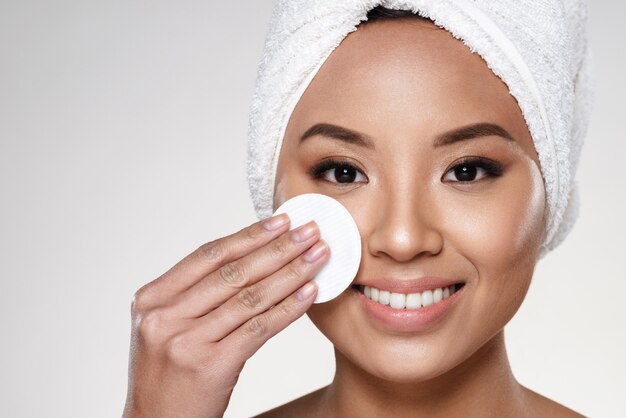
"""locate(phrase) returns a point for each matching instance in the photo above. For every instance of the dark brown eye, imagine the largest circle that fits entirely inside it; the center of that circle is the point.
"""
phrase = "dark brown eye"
(466, 172)
(473, 170)
(338, 172)
(345, 174)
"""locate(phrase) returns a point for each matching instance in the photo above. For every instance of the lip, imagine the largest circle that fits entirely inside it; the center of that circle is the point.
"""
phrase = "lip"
(408, 320)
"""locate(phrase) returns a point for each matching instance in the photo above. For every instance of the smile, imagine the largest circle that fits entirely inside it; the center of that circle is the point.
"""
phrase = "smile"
(416, 306)
(409, 301)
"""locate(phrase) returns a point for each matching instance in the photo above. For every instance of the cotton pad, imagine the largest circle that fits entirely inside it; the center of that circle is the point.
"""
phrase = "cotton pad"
(338, 230)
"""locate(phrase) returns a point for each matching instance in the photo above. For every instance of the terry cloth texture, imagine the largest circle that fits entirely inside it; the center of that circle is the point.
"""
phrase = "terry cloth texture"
(537, 47)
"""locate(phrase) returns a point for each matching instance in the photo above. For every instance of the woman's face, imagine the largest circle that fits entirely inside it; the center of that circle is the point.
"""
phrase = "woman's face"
(431, 197)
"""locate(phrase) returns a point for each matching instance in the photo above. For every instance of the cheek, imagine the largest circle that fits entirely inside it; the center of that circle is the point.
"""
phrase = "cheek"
(291, 179)
(500, 236)
(502, 228)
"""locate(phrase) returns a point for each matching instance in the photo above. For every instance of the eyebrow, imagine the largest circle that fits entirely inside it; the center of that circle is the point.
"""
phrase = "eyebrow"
(338, 132)
(475, 130)
(352, 137)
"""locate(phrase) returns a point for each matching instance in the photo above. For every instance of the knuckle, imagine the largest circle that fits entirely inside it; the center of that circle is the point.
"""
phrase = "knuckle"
(281, 247)
(253, 232)
(213, 251)
(232, 275)
(140, 301)
(151, 324)
(257, 326)
(250, 298)
(179, 350)
(293, 271)
(287, 309)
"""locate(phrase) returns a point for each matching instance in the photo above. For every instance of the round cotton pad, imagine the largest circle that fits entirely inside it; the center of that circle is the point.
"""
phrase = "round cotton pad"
(338, 230)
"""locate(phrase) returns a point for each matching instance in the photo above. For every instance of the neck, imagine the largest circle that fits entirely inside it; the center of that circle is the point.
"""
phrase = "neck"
(482, 383)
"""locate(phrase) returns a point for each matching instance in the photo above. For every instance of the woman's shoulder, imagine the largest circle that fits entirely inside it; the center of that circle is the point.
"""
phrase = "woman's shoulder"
(546, 407)
(309, 403)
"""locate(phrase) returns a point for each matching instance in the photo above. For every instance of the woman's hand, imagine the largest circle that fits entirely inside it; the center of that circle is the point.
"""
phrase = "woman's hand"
(194, 327)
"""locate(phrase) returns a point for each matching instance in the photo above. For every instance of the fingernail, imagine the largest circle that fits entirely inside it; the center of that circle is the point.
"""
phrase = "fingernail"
(306, 291)
(315, 252)
(275, 222)
(304, 232)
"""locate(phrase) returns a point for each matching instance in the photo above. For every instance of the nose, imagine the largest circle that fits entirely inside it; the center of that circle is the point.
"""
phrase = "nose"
(406, 226)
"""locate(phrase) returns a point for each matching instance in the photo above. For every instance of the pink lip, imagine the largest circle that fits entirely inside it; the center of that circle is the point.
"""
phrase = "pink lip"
(410, 286)
(408, 320)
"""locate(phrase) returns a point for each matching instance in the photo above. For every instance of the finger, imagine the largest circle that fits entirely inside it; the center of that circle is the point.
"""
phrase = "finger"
(250, 336)
(212, 255)
(256, 299)
(224, 283)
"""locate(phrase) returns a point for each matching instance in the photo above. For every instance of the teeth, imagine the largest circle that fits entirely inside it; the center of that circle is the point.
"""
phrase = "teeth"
(411, 300)
(437, 295)
(374, 295)
(383, 297)
(397, 300)
(427, 298)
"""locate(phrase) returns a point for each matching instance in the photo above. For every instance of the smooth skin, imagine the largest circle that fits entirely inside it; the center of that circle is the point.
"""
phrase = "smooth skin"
(422, 210)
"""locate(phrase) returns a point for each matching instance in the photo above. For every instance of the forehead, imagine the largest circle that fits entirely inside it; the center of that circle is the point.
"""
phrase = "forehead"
(409, 74)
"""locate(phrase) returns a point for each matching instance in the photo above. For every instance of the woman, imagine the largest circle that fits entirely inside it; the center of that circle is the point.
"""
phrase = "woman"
(433, 156)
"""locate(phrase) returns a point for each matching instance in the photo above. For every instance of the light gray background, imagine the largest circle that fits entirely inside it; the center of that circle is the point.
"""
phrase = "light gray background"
(122, 148)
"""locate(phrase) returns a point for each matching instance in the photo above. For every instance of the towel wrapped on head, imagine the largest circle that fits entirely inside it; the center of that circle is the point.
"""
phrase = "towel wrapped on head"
(537, 47)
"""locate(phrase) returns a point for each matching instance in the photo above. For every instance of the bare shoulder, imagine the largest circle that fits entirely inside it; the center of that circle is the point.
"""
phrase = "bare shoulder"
(304, 406)
(546, 407)
(308, 406)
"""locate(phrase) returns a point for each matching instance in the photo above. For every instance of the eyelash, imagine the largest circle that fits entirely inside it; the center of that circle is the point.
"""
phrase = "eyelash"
(318, 171)
(491, 168)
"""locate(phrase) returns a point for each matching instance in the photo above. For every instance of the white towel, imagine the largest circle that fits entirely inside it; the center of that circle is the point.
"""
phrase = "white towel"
(537, 47)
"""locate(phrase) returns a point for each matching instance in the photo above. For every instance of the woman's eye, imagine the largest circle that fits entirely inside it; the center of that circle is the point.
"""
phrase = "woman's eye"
(338, 172)
(473, 170)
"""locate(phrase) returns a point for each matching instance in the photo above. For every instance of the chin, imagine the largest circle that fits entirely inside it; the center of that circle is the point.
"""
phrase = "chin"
(398, 358)
(417, 372)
